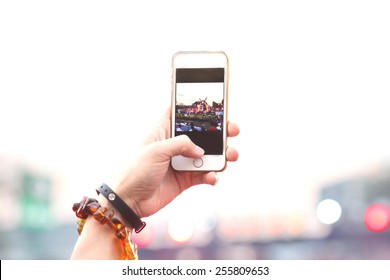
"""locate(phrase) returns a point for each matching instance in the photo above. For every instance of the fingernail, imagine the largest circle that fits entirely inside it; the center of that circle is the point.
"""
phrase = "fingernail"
(199, 150)
(216, 178)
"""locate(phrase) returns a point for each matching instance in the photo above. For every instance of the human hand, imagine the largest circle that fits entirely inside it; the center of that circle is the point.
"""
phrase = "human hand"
(151, 183)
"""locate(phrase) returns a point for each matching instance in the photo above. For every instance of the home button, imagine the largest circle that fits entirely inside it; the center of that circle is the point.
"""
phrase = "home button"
(198, 162)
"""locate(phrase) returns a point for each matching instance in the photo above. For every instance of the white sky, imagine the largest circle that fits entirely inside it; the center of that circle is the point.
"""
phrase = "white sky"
(188, 93)
(82, 82)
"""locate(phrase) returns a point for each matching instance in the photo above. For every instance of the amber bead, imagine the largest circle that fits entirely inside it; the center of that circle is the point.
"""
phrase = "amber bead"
(120, 229)
(93, 206)
(80, 225)
(104, 215)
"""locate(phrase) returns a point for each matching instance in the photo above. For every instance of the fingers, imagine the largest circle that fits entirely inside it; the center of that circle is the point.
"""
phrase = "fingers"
(210, 178)
(233, 129)
(231, 154)
(180, 145)
(198, 178)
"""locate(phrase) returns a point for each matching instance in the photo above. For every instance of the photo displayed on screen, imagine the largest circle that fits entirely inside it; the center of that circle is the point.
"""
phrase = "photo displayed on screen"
(200, 107)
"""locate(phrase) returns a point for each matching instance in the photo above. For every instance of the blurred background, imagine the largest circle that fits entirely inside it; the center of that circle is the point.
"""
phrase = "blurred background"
(83, 82)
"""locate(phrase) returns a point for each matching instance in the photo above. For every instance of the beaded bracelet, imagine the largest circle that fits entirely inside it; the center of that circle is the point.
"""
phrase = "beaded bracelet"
(91, 207)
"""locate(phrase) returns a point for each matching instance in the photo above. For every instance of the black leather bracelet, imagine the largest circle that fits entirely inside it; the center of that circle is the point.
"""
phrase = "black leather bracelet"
(122, 207)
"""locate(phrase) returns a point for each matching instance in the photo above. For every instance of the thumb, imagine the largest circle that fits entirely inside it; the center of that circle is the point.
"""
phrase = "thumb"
(181, 145)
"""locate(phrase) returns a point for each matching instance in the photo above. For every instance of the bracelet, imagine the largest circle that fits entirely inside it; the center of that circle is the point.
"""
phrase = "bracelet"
(122, 207)
(90, 207)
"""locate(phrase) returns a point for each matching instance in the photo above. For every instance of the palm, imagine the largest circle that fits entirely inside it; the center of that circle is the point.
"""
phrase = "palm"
(153, 182)
(165, 183)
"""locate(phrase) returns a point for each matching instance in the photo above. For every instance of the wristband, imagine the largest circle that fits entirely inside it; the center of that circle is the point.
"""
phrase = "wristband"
(122, 207)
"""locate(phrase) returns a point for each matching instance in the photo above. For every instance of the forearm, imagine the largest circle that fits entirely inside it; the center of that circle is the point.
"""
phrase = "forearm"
(98, 241)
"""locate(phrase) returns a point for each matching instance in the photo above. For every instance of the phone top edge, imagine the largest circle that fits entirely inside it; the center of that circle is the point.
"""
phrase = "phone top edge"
(199, 52)
(200, 59)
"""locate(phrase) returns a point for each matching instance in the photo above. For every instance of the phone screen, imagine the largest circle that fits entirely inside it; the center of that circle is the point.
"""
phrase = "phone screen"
(199, 111)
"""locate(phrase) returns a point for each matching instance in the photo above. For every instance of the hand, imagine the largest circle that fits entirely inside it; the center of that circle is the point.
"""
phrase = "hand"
(151, 183)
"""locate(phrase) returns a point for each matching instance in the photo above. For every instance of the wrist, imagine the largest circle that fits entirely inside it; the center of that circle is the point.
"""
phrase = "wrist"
(105, 203)
(97, 242)
(122, 207)
(129, 198)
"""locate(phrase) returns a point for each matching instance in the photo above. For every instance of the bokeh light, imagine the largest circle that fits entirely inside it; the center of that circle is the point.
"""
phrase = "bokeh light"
(180, 229)
(328, 211)
(377, 217)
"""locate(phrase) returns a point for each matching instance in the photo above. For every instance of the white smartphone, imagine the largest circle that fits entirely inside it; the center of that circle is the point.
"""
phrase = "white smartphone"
(199, 107)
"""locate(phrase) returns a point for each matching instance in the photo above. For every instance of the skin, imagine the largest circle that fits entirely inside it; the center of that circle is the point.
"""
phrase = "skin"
(148, 185)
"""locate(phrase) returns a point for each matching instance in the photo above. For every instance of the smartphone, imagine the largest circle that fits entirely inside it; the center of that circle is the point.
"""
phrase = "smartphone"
(199, 107)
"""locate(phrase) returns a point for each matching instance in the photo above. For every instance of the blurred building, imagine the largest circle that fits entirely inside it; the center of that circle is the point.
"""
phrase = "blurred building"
(28, 225)
(351, 215)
